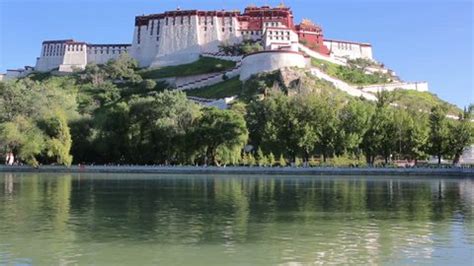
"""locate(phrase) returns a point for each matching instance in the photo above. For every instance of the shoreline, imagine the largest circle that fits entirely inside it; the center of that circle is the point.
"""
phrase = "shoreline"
(230, 170)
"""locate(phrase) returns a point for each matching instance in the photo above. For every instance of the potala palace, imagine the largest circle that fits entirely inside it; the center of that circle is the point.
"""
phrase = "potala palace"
(182, 36)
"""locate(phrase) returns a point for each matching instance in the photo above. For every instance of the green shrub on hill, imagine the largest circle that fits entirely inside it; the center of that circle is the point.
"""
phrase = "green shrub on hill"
(421, 101)
(352, 74)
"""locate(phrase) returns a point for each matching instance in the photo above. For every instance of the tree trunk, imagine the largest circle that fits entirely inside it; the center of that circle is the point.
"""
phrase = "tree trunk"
(456, 159)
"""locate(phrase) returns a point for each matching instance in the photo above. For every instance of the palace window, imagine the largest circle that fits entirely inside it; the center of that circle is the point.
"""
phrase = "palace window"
(158, 39)
(139, 35)
(223, 29)
(166, 21)
(230, 29)
(152, 27)
(182, 20)
(158, 28)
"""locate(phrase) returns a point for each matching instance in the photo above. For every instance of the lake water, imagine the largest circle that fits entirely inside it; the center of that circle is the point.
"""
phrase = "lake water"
(52, 219)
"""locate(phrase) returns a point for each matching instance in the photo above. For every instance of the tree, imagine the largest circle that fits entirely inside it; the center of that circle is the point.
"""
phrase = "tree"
(219, 128)
(113, 139)
(282, 161)
(160, 126)
(355, 119)
(251, 160)
(58, 137)
(461, 134)
(271, 159)
(261, 159)
(439, 132)
(417, 137)
(123, 68)
(22, 138)
(34, 119)
(93, 74)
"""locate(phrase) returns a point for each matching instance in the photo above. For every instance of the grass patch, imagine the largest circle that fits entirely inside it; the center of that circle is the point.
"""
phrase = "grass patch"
(221, 90)
(351, 74)
(204, 65)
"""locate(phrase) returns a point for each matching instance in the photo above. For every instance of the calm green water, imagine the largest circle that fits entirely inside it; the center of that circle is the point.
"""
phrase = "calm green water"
(48, 219)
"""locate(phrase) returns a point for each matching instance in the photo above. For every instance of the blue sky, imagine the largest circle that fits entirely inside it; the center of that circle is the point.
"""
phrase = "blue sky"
(422, 40)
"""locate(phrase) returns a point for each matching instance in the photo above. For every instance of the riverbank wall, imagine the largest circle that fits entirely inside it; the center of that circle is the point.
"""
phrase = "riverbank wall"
(316, 171)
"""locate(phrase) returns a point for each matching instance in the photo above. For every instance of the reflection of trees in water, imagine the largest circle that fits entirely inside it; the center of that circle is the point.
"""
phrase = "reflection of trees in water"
(305, 220)
(38, 207)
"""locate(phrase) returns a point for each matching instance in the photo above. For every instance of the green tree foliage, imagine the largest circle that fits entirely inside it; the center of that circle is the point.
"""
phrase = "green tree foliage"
(439, 132)
(461, 134)
(108, 114)
(160, 126)
(219, 129)
(34, 119)
(271, 159)
(355, 119)
(23, 138)
(123, 68)
(58, 137)
(282, 161)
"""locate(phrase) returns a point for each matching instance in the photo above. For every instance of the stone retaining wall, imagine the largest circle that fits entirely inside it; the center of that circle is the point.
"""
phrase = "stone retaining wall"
(428, 172)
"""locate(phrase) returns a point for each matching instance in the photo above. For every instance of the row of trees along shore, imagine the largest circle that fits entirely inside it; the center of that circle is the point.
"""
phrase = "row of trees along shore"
(109, 114)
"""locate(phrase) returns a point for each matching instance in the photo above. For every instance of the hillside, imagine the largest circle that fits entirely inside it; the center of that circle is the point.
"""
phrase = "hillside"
(110, 114)
(416, 100)
(294, 81)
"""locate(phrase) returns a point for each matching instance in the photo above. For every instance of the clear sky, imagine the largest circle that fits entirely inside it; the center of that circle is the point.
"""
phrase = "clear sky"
(422, 40)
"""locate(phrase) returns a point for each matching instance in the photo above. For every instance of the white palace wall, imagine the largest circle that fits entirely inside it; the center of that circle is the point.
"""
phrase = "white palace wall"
(267, 61)
(102, 53)
(67, 55)
(416, 86)
(181, 39)
(351, 50)
(52, 55)
(75, 56)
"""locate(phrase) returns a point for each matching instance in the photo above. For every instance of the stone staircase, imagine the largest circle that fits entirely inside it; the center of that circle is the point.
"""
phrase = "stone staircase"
(210, 79)
(223, 56)
(218, 103)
